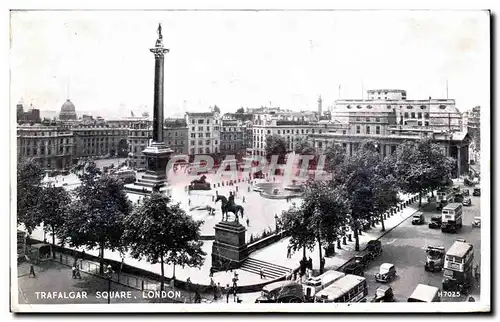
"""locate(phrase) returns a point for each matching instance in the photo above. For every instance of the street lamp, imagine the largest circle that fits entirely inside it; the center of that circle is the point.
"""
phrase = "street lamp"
(276, 220)
(108, 273)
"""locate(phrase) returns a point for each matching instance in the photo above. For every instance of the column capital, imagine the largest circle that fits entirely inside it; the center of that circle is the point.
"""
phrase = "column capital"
(159, 52)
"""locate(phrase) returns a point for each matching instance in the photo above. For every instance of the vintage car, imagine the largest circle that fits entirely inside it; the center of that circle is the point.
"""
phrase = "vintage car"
(466, 192)
(374, 247)
(466, 202)
(354, 269)
(281, 292)
(435, 222)
(363, 258)
(476, 192)
(383, 293)
(459, 197)
(386, 273)
(477, 222)
(468, 182)
(418, 219)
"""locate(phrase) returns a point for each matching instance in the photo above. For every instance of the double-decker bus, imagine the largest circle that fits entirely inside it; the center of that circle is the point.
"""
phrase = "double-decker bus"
(350, 288)
(451, 217)
(458, 266)
(445, 196)
(315, 284)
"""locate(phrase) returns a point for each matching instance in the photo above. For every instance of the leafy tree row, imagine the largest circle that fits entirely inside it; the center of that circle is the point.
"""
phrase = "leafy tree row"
(363, 186)
(98, 215)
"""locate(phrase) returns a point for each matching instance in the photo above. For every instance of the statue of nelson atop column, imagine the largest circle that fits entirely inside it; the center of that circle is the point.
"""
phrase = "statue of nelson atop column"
(159, 41)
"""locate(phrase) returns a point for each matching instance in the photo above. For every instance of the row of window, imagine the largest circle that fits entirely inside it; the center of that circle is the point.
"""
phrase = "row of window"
(29, 142)
(201, 150)
(41, 152)
(368, 129)
(368, 119)
(418, 115)
(200, 142)
(301, 131)
(200, 135)
(203, 121)
(231, 129)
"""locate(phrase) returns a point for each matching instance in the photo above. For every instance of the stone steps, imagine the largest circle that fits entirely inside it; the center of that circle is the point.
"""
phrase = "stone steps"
(270, 270)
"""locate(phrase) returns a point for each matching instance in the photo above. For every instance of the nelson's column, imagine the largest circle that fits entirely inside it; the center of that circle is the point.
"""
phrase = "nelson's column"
(157, 153)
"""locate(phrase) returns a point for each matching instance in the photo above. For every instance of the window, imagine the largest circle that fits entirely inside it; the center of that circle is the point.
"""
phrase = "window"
(389, 107)
(359, 106)
(367, 129)
(369, 106)
(442, 107)
(426, 123)
(208, 121)
(426, 115)
(207, 150)
(419, 115)
(412, 115)
(207, 135)
(344, 132)
(409, 107)
(358, 129)
(367, 119)
(200, 135)
(268, 131)
(377, 129)
(200, 142)
(200, 150)
(279, 132)
(192, 122)
(207, 142)
(349, 106)
(422, 107)
(200, 128)
(193, 128)
(406, 115)
(200, 121)
(358, 118)
(208, 128)
(377, 119)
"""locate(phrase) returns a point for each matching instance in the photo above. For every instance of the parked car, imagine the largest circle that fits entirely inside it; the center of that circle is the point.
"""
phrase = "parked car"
(386, 273)
(466, 202)
(384, 293)
(466, 192)
(374, 247)
(363, 258)
(435, 222)
(418, 219)
(476, 192)
(468, 182)
(477, 222)
(354, 269)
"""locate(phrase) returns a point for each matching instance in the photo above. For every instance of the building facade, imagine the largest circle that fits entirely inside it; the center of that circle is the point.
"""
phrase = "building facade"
(100, 140)
(232, 137)
(68, 111)
(51, 145)
(32, 115)
(204, 131)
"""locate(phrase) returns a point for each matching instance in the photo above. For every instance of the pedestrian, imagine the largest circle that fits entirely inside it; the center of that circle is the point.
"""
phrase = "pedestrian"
(83, 254)
(248, 222)
(73, 271)
(243, 199)
(189, 202)
(236, 188)
(234, 293)
(197, 297)
(288, 252)
(213, 198)
(228, 291)
(248, 188)
(32, 271)
(310, 263)
(261, 272)
(322, 264)
(211, 271)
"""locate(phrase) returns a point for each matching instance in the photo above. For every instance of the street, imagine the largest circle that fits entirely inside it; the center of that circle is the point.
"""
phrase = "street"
(405, 248)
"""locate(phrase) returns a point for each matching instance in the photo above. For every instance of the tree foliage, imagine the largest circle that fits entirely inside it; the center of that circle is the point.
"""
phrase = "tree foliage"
(29, 186)
(241, 110)
(161, 232)
(95, 218)
(53, 209)
(303, 146)
(334, 156)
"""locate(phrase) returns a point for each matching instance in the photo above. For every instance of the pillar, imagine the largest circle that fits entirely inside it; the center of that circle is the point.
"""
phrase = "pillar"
(459, 161)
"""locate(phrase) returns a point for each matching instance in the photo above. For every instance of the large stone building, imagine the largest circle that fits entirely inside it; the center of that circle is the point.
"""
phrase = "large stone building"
(68, 111)
(387, 117)
(32, 115)
(232, 137)
(100, 140)
(204, 133)
(51, 145)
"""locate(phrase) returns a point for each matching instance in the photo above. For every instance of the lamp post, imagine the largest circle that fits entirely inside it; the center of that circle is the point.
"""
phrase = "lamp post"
(276, 221)
(108, 273)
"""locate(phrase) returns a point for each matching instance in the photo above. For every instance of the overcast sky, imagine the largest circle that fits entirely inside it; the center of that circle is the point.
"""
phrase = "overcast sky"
(248, 59)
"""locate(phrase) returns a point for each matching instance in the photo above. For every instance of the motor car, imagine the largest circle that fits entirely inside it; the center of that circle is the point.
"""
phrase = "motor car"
(459, 197)
(281, 292)
(354, 269)
(435, 258)
(418, 218)
(468, 182)
(466, 202)
(435, 222)
(374, 247)
(383, 293)
(387, 272)
(476, 192)
(477, 222)
(363, 258)
(466, 192)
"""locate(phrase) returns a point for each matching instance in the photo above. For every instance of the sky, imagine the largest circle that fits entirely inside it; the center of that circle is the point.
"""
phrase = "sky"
(232, 59)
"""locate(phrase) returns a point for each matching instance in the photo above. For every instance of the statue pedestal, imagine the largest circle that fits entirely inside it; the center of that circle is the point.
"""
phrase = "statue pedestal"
(229, 249)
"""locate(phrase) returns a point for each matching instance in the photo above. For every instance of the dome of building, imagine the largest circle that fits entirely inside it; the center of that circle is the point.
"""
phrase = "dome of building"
(68, 111)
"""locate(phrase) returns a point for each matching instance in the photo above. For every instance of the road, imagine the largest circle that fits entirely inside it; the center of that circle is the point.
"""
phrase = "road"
(405, 248)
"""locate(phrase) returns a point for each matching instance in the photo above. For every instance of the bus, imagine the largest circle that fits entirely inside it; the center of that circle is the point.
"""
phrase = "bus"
(451, 217)
(425, 293)
(315, 284)
(458, 266)
(445, 196)
(350, 288)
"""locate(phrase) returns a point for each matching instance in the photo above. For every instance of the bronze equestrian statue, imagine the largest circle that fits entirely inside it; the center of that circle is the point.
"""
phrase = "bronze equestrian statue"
(229, 206)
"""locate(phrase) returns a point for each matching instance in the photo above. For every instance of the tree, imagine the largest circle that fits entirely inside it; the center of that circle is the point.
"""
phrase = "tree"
(216, 109)
(161, 232)
(29, 180)
(241, 110)
(95, 217)
(54, 205)
(276, 145)
(355, 176)
(303, 146)
(385, 188)
(334, 156)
